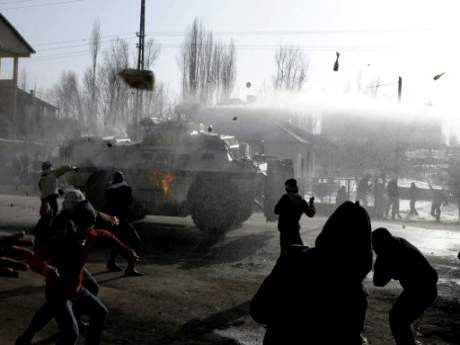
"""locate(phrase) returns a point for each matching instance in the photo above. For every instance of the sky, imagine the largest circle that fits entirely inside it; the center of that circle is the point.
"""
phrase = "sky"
(414, 39)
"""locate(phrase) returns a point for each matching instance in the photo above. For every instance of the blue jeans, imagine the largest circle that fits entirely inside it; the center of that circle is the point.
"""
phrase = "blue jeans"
(65, 312)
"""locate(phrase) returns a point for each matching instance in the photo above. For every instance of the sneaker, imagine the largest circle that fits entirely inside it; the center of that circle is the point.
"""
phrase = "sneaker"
(114, 268)
(132, 272)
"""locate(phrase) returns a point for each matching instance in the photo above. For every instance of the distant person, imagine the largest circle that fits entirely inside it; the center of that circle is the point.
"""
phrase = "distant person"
(438, 199)
(118, 198)
(363, 190)
(393, 199)
(341, 196)
(379, 198)
(48, 183)
(24, 169)
(290, 208)
(413, 195)
(36, 170)
(16, 166)
(399, 260)
(299, 301)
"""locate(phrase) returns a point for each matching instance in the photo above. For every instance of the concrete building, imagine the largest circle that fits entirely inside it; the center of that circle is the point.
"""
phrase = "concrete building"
(12, 47)
(22, 114)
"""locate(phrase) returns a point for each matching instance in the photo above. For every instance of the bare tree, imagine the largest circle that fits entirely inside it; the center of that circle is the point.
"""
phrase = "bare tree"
(94, 48)
(207, 66)
(152, 52)
(150, 99)
(228, 71)
(116, 98)
(291, 69)
(67, 97)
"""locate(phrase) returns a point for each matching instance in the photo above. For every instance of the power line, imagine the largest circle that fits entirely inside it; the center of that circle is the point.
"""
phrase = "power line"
(177, 46)
(42, 5)
(251, 33)
(84, 39)
(14, 1)
(293, 32)
(83, 44)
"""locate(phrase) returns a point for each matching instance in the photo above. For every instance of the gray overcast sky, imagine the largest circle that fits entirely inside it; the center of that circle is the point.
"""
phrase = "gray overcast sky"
(411, 38)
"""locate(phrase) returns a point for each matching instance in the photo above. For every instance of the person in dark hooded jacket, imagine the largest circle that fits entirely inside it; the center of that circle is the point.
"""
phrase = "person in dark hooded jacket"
(290, 208)
(299, 301)
(118, 198)
(398, 259)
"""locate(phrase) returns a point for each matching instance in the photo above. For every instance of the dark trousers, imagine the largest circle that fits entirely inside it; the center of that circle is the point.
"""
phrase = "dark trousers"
(393, 205)
(289, 237)
(412, 210)
(436, 211)
(52, 201)
(407, 308)
(127, 234)
(65, 312)
(46, 312)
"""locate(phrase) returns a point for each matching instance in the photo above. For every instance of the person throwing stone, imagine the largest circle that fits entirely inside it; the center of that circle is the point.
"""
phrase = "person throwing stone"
(290, 208)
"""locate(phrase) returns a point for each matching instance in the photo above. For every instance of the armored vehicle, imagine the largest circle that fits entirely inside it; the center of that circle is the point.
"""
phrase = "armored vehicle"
(178, 169)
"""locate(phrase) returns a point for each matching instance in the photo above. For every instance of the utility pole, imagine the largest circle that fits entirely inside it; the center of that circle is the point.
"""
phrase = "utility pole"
(141, 35)
(140, 59)
(399, 89)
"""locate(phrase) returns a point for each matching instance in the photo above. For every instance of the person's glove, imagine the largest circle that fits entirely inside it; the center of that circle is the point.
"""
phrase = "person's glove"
(10, 250)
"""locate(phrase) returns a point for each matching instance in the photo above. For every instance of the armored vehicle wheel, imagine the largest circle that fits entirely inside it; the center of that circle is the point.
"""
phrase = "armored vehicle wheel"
(213, 204)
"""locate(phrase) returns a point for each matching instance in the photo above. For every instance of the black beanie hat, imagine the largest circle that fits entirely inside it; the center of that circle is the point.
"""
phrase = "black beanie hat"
(291, 185)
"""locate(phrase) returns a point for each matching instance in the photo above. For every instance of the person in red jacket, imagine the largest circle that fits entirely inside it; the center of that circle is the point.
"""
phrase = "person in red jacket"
(64, 290)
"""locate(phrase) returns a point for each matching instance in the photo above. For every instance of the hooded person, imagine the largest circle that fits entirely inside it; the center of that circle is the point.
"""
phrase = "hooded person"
(118, 198)
(398, 259)
(298, 301)
(290, 208)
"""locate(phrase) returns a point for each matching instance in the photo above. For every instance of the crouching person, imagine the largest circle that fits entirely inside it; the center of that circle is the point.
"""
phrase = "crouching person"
(399, 260)
(62, 263)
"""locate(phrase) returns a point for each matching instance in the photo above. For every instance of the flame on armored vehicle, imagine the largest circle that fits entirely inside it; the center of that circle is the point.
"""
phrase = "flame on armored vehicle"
(177, 169)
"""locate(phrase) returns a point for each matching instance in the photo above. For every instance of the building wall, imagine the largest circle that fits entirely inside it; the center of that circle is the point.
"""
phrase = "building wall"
(302, 156)
(7, 97)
